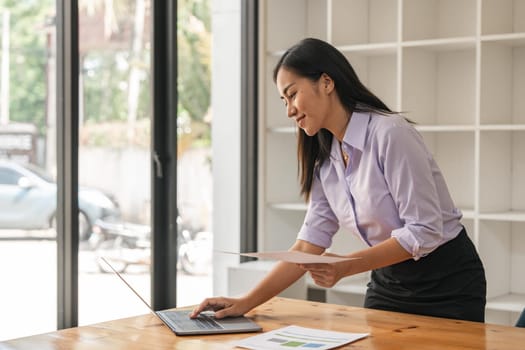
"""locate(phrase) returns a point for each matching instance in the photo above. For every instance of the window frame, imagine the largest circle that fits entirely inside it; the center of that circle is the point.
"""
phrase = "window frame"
(249, 125)
(163, 158)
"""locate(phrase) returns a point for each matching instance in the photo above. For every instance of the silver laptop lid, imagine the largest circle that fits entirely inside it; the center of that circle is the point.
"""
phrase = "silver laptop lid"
(180, 323)
(127, 284)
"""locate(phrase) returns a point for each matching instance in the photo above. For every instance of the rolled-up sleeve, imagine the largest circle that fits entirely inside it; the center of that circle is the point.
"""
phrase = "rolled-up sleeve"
(408, 169)
(320, 223)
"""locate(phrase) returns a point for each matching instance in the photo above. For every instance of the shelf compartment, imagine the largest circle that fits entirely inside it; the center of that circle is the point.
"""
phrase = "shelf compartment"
(349, 285)
(280, 176)
(506, 216)
(282, 129)
(502, 170)
(378, 72)
(507, 302)
(502, 127)
(454, 154)
(280, 230)
(462, 43)
(350, 291)
(431, 19)
(514, 39)
(468, 213)
(502, 82)
(242, 277)
(438, 86)
(370, 49)
(275, 110)
(363, 21)
(289, 206)
(358, 286)
(502, 16)
(502, 250)
(302, 18)
(444, 128)
(469, 226)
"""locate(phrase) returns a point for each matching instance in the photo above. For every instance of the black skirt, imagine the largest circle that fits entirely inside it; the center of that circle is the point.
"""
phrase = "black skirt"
(449, 282)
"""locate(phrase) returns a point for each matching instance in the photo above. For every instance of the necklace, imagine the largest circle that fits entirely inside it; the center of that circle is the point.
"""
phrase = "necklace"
(345, 156)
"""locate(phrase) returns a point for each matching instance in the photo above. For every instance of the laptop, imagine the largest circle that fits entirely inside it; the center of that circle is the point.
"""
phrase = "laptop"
(180, 322)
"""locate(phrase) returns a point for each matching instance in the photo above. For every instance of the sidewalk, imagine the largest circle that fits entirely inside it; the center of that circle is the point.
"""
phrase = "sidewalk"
(28, 280)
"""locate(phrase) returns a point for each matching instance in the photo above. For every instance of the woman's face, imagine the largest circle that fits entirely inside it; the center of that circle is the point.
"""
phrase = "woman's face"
(306, 101)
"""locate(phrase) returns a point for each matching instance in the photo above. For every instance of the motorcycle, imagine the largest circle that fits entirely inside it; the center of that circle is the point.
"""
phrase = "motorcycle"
(125, 244)
(195, 252)
(122, 244)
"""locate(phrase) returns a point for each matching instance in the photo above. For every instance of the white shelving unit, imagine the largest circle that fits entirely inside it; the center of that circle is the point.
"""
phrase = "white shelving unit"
(455, 67)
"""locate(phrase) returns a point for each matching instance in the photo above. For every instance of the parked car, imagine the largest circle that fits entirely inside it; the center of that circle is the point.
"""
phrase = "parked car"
(28, 200)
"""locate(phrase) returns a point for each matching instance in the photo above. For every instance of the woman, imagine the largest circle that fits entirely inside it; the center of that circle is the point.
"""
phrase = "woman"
(365, 168)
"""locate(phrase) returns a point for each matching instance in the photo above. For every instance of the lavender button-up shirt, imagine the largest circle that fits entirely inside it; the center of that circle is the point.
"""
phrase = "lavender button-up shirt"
(392, 187)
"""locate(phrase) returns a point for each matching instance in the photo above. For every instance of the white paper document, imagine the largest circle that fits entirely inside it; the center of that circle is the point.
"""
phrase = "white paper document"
(295, 257)
(299, 338)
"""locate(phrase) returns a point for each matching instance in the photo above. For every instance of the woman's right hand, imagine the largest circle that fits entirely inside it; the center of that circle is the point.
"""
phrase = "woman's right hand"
(223, 307)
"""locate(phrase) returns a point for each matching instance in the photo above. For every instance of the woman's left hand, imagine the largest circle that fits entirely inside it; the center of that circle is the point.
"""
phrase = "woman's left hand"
(325, 275)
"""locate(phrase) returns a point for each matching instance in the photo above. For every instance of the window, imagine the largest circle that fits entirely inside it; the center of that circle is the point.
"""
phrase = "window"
(8, 176)
(27, 243)
(120, 140)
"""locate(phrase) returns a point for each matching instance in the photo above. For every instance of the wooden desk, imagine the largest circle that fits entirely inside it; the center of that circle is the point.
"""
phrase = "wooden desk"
(388, 330)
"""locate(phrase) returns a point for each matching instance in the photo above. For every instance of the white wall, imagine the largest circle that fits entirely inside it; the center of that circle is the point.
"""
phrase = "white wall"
(226, 102)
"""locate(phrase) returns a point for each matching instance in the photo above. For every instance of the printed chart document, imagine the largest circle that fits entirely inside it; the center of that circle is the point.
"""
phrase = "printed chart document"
(295, 257)
(300, 338)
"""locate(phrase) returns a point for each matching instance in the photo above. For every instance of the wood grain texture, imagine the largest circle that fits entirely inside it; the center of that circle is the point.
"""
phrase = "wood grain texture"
(388, 331)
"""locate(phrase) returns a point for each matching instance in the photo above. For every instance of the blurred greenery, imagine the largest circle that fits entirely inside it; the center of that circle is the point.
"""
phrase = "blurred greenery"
(28, 59)
(105, 69)
(194, 40)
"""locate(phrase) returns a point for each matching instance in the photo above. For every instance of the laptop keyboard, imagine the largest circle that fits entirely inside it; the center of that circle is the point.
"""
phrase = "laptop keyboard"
(183, 321)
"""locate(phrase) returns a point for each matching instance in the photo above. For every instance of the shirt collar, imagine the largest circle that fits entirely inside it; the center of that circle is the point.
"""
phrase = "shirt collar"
(355, 134)
(356, 130)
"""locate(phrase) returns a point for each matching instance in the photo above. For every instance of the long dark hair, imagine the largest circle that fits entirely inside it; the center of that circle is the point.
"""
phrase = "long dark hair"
(310, 58)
